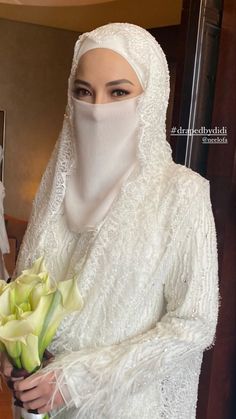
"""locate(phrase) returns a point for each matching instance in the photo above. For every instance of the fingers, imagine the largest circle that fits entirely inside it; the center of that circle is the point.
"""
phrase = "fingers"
(27, 396)
(7, 370)
(19, 373)
(33, 399)
(32, 391)
(38, 393)
(35, 404)
(10, 382)
(27, 384)
(41, 404)
(6, 366)
(11, 379)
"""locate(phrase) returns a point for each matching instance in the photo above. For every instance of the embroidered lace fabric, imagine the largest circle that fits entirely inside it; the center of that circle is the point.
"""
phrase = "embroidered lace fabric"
(148, 272)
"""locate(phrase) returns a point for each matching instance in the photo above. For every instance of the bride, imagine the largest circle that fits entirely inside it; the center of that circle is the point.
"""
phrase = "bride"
(137, 230)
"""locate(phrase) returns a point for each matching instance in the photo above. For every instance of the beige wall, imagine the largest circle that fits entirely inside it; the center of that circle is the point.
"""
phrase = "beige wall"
(34, 68)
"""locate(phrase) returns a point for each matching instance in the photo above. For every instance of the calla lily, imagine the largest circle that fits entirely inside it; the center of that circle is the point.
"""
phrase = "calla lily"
(71, 298)
(5, 305)
(66, 300)
(3, 285)
(37, 268)
(37, 318)
(12, 334)
(31, 309)
(30, 354)
(23, 288)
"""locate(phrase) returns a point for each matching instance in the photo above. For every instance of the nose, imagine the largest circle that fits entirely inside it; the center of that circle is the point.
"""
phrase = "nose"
(99, 98)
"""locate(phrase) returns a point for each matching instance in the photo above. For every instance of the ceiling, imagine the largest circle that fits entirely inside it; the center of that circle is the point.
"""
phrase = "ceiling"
(148, 14)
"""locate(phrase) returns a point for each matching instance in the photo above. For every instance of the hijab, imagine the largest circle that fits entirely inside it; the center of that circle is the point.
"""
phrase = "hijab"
(153, 153)
(105, 151)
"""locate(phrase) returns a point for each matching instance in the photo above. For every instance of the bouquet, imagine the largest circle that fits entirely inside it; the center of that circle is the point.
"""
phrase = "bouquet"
(31, 309)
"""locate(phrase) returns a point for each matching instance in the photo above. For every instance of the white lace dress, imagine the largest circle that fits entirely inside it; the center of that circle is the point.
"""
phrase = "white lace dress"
(135, 350)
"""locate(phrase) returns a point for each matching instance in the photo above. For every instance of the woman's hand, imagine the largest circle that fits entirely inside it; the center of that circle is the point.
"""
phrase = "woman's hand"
(6, 370)
(5, 366)
(39, 393)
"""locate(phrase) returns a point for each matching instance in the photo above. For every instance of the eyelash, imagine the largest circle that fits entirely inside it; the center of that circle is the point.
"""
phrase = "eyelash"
(78, 90)
(124, 92)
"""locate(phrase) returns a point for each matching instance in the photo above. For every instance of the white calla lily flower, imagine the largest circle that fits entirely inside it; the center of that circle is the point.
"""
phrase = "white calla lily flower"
(31, 309)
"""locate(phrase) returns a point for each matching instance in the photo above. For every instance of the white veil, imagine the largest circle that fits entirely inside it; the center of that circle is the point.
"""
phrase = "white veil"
(154, 152)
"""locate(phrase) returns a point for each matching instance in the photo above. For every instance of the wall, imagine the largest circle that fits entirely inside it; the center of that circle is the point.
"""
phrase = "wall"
(34, 68)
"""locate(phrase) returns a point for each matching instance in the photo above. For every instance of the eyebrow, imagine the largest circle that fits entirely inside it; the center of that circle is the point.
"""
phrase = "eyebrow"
(110, 83)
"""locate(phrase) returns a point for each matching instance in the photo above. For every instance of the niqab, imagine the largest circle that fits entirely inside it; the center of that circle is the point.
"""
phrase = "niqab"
(106, 148)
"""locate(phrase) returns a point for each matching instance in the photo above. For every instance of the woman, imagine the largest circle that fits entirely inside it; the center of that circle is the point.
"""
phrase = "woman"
(137, 230)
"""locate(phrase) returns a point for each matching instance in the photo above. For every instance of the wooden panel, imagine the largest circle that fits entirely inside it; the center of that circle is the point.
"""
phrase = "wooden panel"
(148, 13)
(221, 396)
(220, 383)
(5, 403)
(10, 258)
(15, 228)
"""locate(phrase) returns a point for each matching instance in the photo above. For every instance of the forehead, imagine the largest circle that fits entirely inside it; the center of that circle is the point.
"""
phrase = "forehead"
(100, 64)
(104, 57)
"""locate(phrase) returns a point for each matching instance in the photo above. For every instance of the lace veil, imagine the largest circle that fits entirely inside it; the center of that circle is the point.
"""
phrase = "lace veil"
(154, 152)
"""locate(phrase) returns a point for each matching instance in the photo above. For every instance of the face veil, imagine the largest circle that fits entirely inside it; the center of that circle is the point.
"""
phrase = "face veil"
(145, 55)
(105, 150)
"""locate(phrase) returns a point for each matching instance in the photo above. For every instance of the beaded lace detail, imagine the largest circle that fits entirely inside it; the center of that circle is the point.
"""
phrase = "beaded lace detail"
(147, 272)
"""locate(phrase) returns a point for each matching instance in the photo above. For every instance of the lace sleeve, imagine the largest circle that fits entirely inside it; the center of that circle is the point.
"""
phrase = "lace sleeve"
(98, 376)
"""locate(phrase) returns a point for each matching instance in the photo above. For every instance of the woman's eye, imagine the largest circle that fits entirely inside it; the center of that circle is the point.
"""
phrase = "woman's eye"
(120, 92)
(80, 91)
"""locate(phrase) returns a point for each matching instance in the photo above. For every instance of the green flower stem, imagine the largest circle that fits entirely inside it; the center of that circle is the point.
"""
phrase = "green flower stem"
(17, 362)
(56, 300)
